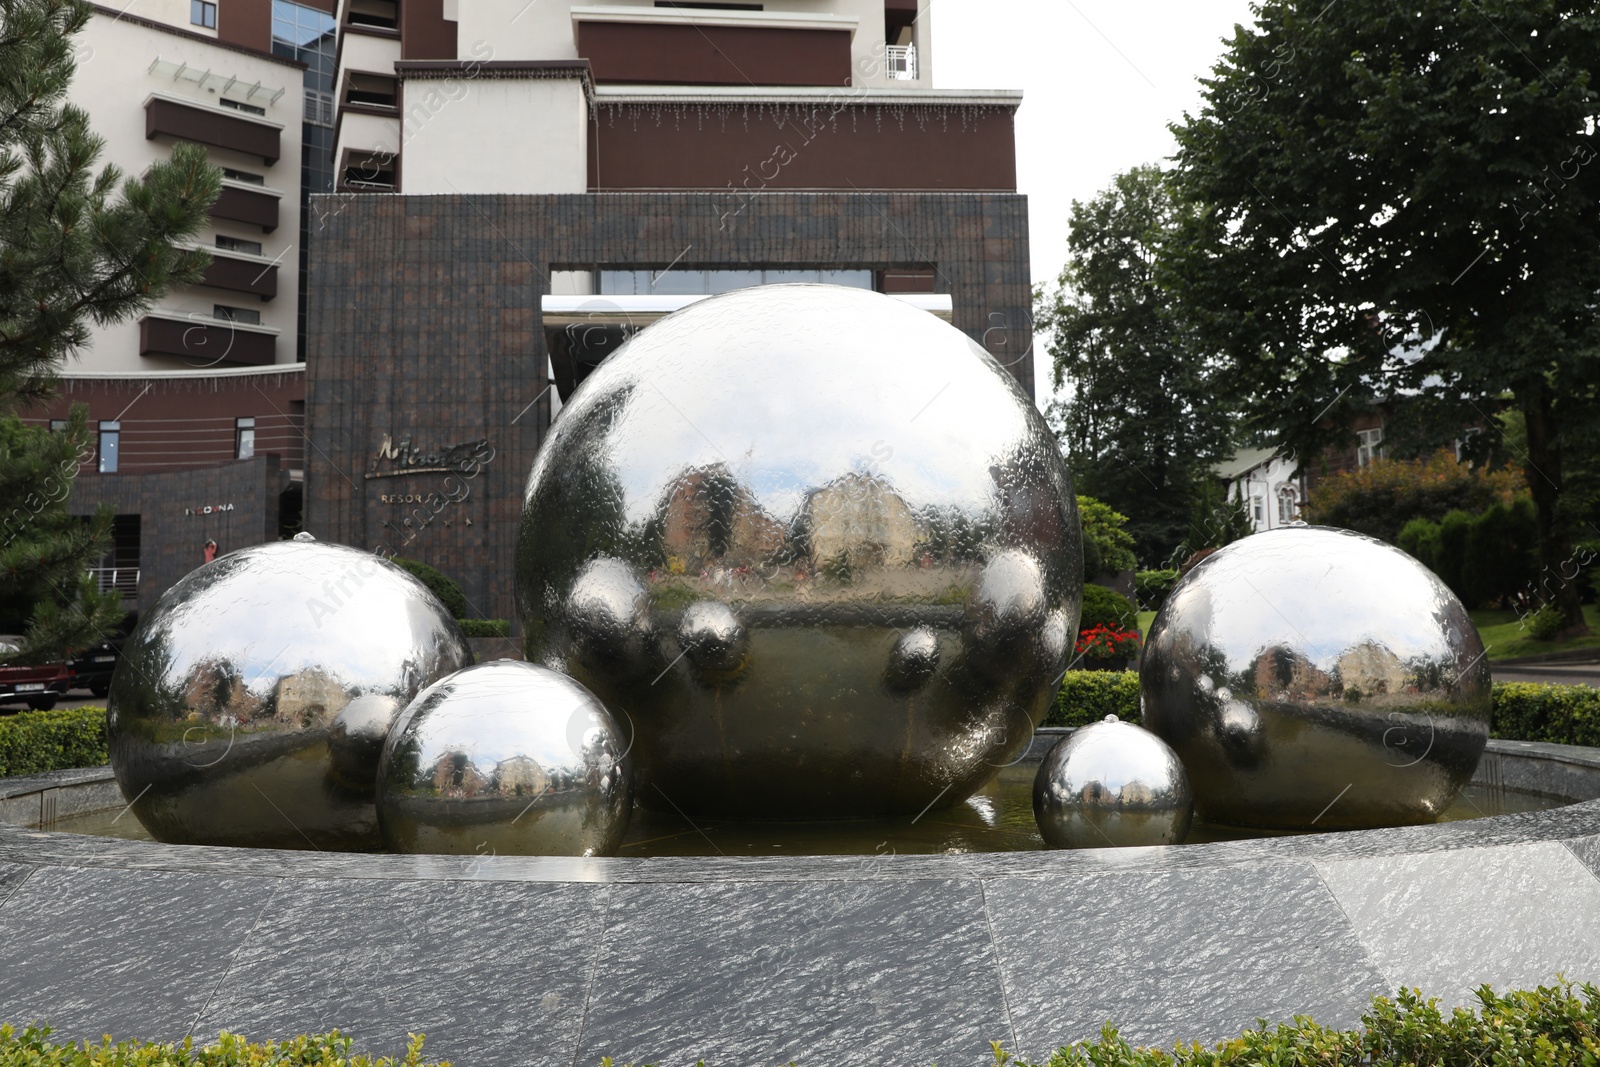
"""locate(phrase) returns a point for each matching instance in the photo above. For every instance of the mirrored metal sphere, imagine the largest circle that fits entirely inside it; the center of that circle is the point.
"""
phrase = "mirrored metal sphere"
(1112, 785)
(505, 758)
(250, 705)
(818, 545)
(1313, 677)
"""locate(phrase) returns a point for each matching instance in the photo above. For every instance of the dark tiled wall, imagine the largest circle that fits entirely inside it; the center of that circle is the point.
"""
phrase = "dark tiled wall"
(423, 318)
(171, 505)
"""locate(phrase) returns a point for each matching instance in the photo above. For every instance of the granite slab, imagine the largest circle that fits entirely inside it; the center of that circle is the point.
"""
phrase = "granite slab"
(93, 952)
(492, 973)
(751, 974)
(1171, 955)
(1447, 922)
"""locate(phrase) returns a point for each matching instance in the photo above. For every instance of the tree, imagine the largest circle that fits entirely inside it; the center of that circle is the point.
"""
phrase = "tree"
(77, 246)
(1142, 422)
(1107, 545)
(1400, 201)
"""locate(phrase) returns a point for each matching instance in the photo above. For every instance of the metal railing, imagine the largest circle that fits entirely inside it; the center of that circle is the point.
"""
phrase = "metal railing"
(124, 580)
(146, 445)
(319, 107)
(901, 61)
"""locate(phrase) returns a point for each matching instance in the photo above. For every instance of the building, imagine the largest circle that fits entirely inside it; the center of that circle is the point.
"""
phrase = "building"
(198, 405)
(520, 185)
(1267, 482)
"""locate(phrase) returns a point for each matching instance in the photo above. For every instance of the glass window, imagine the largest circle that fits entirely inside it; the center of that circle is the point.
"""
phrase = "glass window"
(243, 176)
(244, 437)
(685, 281)
(247, 316)
(240, 105)
(110, 439)
(236, 244)
(1287, 503)
(1369, 446)
(203, 13)
(1256, 510)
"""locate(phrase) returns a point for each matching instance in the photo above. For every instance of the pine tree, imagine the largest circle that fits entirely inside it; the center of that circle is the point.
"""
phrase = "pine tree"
(77, 246)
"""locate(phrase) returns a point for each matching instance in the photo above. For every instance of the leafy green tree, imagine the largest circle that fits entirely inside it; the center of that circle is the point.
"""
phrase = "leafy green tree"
(77, 247)
(1141, 419)
(1214, 521)
(1403, 201)
(1107, 545)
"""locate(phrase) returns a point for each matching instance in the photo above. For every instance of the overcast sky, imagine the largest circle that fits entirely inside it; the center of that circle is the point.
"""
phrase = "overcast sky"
(1102, 79)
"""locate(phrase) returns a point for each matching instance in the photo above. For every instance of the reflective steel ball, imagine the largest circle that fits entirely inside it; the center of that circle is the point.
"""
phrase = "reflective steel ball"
(1314, 678)
(818, 546)
(1112, 785)
(250, 705)
(505, 758)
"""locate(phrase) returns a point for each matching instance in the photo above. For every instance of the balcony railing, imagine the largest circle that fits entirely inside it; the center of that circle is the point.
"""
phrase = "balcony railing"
(901, 61)
(124, 580)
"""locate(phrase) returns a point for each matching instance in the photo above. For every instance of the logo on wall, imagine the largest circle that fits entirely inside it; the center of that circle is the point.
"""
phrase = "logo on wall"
(208, 509)
(396, 460)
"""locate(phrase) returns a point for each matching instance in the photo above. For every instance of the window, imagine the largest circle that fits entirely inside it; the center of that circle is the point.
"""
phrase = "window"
(1462, 441)
(1256, 510)
(240, 105)
(58, 425)
(203, 13)
(238, 244)
(243, 176)
(384, 14)
(244, 438)
(1369, 446)
(1288, 502)
(232, 314)
(110, 439)
(683, 282)
(369, 170)
(374, 90)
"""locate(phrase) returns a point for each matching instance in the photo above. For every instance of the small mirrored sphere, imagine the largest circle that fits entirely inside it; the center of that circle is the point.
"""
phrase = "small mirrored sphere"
(509, 759)
(817, 545)
(250, 705)
(1112, 785)
(1312, 677)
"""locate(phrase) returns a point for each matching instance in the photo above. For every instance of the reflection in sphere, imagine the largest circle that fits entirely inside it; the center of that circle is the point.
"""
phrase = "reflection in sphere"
(817, 545)
(505, 758)
(250, 705)
(1314, 677)
(1112, 785)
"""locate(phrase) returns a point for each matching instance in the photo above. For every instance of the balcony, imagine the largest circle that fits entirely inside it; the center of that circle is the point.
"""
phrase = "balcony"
(204, 342)
(240, 273)
(900, 62)
(187, 120)
(124, 580)
(242, 203)
(666, 46)
(153, 445)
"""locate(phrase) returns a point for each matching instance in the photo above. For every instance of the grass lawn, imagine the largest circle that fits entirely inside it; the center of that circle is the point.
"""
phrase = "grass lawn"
(1505, 637)
(1145, 619)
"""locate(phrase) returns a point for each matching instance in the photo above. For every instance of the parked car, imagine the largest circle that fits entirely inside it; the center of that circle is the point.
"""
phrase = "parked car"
(92, 667)
(39, 687)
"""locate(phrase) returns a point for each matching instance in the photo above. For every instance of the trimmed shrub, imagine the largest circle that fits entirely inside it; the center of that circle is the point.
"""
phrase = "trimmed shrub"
(1545, 624)
(1482, 558)
(1550, 1025)
(1106, 529)
(441, 584)
(1560, 714)
(1107, 607)
(485, 627)
(1150, 588)
(1089, 696)
(32, 742)
(34, 1048)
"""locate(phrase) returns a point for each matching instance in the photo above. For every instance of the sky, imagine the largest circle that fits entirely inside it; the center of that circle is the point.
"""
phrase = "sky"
(1101, 78)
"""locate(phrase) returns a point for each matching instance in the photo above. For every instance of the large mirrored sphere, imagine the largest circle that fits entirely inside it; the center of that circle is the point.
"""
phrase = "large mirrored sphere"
(251, 703)
(1111, 785)
(1314, 678)
(816, 545)
(506, 759)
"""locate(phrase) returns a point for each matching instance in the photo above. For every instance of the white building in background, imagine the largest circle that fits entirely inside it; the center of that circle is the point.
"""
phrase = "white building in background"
(1265, 480)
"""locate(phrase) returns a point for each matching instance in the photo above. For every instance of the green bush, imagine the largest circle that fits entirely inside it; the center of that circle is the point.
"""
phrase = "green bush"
(33, 1048)
(1560, 714)
(441, 584)
(1551, 1025)
(1482, 558)
(1089, 696)
(33, 742)
(1380, 498)
(1106, 607)
(1106, 537)
(1546, 623)
(485, 627)
(1150, 588)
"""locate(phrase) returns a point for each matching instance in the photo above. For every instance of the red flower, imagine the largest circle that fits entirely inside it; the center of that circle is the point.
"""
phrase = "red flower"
(1108, 642)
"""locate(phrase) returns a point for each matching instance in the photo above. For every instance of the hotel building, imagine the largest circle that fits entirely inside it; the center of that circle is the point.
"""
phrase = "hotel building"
(516, 186)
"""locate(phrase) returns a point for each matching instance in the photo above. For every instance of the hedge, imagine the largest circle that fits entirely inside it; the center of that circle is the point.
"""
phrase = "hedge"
(485, 627)
(1550, 1025)
(32, 742)
(32, 1047)
(1523, 711)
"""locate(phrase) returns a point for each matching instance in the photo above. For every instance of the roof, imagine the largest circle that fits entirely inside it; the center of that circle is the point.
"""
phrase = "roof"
(1244, 462)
